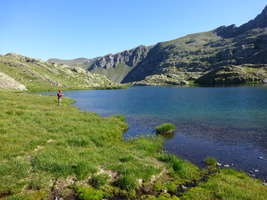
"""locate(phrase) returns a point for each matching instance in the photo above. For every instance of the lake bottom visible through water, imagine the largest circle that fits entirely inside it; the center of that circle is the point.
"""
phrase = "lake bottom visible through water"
(229, 124)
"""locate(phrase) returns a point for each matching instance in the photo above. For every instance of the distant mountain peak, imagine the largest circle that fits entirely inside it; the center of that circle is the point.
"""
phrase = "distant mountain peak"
(231, 31)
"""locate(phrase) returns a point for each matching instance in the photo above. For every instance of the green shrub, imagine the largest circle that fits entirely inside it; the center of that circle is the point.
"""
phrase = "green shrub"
(166, 128)
(120, 117)
(209, 161)
(126, 159)
(181, 168)
(126, 182)
(159, 187)
(167, 196)
(177, 165)
(98, 181)
(171, 187)
(89, 193)
(148, 197)
(174, 162)
(165, 157)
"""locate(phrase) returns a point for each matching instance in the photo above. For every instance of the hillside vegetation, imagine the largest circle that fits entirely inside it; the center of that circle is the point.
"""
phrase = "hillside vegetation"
(21, 72)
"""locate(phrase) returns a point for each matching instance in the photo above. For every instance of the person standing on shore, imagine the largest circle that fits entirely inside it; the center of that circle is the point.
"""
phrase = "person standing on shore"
(59, 96)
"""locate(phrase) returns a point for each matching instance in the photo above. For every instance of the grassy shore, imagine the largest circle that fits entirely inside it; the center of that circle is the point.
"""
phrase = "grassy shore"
(50, 151)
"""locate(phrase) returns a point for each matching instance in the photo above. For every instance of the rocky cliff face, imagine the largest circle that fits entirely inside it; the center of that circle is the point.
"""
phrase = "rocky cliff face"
(186, 59)
(130, 58)
(113, 66)
(117, 66)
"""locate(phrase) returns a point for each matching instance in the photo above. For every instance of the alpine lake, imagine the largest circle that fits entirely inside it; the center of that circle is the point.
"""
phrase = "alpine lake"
(227, 123)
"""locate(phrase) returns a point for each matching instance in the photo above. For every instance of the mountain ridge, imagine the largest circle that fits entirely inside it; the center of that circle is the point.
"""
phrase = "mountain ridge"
(197, 54)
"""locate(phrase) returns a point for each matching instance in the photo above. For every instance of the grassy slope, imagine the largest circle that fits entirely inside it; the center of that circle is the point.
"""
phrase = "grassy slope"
(243, 74)
(39, 76)
(42, 143)
(115, 74)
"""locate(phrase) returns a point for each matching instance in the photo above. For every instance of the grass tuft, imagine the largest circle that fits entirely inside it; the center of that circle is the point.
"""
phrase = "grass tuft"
(165, 129)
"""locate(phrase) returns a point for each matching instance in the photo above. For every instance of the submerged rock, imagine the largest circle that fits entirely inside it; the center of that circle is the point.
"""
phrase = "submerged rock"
(260, 158)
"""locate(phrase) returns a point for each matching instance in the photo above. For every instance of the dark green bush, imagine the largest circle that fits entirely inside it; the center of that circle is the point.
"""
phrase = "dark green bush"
(158, 187)
(209, 161)
(89, 193)
(126, 159)
(173, 161)
(126, 182)
(166, 196)
(177, 165)
(171, 187)
(120, 117)
(166, 128)
(98, 181)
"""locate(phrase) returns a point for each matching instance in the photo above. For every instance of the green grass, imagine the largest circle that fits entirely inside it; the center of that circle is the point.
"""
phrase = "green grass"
(209, 161)
(99, 180)
(126, 182)
(89, 193)
(116, 74)
(166, 128)
(182, 170)
(228, 185)
(43, 144)
(41, 141)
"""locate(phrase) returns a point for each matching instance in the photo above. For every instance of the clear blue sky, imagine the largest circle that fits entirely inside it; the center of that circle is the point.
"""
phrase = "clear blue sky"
(89, 28)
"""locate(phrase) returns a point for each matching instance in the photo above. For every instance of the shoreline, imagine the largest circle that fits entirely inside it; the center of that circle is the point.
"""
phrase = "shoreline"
(251, 171)
(58, 139)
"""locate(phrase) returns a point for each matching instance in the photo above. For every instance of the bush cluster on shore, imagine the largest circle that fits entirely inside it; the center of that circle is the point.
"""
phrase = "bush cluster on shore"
(165, 129)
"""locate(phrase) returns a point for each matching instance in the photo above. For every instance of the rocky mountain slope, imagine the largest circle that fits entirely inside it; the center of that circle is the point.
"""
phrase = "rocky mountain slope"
(114, 66)
(187, 59)
(22, 73)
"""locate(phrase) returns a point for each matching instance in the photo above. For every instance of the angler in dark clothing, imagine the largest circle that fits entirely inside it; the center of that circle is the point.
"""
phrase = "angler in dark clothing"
(59, 97)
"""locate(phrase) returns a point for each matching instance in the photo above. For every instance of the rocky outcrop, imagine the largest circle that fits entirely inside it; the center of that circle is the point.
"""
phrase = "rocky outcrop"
(160, 80)
(130, 58)
(114, 66)
(6, 82)
(242, 74)
(117, 66)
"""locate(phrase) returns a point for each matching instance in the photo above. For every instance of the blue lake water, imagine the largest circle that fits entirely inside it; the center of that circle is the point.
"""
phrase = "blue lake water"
(227, 123)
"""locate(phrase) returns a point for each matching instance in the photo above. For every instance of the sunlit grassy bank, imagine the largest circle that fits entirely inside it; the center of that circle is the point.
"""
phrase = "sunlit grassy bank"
(50, 151)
